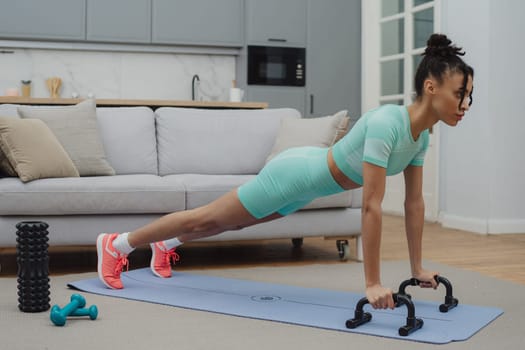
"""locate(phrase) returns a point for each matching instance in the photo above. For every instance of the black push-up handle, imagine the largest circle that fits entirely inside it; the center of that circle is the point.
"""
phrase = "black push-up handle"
(450, 301)
(413, 323)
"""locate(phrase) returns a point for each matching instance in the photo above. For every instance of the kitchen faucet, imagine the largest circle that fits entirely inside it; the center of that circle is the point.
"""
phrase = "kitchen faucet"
(195, 77)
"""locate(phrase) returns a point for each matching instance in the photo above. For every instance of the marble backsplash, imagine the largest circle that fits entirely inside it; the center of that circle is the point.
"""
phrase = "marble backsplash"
(127, 75)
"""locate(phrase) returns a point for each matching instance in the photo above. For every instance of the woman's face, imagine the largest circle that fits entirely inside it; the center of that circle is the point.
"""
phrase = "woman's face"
(446, 98)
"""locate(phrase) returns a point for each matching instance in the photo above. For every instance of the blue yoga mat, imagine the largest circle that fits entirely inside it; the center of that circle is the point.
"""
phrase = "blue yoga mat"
(295, 305)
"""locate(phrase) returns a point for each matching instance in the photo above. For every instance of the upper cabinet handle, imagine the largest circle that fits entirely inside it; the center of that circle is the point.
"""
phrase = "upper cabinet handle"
(277, 39)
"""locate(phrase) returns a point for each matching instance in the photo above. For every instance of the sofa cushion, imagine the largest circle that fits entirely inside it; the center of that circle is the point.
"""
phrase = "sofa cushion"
(9, 110)
(120, 194)
(202, 189)
(235, 141)
(76, 128)
(128, 134)
(32, 150)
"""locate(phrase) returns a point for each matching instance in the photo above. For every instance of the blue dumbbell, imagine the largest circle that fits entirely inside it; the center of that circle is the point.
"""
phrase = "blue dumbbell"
(58, 316)
(92, 312)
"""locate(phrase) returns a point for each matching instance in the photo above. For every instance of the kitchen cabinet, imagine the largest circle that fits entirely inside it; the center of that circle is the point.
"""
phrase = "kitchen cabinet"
(276, 22)
(198, 22)
(126, 21)
(278, 96)
(333, 57)
(37, 19)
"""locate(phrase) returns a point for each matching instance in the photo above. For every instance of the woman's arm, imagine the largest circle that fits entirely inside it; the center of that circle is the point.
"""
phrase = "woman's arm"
(414, 222)
(373, 192)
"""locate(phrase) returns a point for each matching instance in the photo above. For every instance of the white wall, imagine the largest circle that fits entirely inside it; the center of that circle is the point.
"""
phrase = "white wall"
(482, 174)
(507, 116)
(106, 74)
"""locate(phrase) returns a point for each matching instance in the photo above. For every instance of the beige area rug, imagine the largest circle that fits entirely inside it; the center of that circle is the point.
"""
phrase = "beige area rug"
(127, 324)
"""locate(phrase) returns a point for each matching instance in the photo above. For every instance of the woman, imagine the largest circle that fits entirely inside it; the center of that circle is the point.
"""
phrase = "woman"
(385, 141)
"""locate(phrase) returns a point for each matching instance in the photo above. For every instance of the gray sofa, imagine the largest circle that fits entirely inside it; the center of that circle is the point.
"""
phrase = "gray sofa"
(168, 160)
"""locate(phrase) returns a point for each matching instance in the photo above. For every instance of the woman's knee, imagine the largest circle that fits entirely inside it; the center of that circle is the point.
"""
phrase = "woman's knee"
(226, 213)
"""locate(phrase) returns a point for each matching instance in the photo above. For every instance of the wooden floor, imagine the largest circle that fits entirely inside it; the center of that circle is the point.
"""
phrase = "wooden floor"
(500, 256)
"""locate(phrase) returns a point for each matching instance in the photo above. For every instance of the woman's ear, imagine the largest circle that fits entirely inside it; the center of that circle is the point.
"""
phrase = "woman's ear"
(429, 86)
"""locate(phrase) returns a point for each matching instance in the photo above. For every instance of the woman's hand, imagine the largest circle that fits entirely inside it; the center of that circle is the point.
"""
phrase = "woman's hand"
(380, 297)
(427, 278)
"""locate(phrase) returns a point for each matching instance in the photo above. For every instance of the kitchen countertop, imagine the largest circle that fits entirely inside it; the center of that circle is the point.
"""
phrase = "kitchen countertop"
(128, 102)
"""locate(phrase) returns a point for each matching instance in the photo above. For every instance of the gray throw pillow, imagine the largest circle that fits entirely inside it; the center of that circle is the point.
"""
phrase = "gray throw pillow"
(318, 132)
(76, 129)
(5, 167)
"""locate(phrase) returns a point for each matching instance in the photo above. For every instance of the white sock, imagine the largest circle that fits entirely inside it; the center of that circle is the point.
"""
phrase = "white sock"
(122, 245)
(172, 243)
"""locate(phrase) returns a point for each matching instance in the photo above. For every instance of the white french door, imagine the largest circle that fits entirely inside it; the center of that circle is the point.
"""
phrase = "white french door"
(394, 36)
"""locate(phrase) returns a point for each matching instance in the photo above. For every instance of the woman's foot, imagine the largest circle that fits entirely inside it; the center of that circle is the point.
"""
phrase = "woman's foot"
(161, 258)
(110, 261)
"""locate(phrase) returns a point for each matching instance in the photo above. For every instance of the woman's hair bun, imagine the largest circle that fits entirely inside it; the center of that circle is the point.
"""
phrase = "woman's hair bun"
(440, 45)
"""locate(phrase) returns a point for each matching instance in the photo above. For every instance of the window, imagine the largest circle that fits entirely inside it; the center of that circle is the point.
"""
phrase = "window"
(405, 26)
(396, 33)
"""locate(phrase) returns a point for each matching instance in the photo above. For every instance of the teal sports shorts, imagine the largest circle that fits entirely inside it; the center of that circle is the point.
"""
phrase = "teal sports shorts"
(288, 182)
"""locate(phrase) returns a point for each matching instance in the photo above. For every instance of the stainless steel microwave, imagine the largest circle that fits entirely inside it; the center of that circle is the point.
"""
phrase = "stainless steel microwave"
(271, 65)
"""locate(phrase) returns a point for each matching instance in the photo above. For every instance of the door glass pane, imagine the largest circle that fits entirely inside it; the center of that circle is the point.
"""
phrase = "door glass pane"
(416, 59)
(392, 77)
(392, 37)
(423, 27)
(392, 102)
(392, 7)
(420, 2)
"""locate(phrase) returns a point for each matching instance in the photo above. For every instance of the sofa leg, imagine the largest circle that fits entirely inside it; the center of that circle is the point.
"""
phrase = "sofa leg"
(297, 242)
(346, 250)
(343, 249)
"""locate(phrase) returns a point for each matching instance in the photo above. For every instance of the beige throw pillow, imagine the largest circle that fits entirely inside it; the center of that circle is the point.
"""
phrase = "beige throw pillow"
(318, 132)
(33, 150)
(76, 128)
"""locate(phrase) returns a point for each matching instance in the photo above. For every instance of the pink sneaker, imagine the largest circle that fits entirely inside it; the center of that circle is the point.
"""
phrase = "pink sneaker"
(110, 261)
(161, 258)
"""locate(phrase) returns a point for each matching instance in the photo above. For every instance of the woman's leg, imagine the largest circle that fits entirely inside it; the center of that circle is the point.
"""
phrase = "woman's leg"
(224, 214)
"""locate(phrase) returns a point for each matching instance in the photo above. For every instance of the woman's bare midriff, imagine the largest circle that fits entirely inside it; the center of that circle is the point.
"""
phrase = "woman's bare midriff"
(338, 175)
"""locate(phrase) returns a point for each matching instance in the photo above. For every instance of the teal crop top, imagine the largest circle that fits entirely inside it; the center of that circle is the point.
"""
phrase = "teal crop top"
(382, 137)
